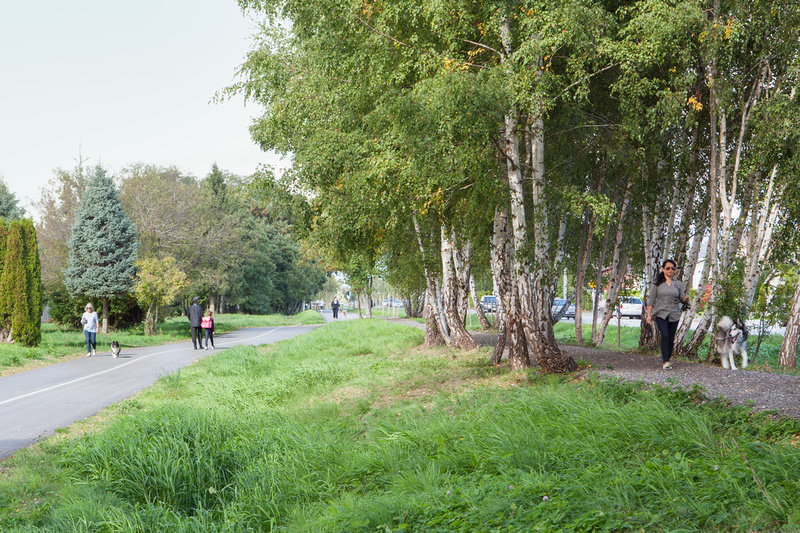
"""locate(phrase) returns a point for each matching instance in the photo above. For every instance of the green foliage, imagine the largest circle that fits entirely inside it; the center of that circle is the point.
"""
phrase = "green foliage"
(159, 281)
(9, 208)
(102, 243)
(32, 333)
(730, 297)
(20, 284)
(64, 308)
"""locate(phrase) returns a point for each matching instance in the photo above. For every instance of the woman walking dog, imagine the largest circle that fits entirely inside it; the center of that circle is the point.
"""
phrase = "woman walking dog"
(90, 327)
(665, 298)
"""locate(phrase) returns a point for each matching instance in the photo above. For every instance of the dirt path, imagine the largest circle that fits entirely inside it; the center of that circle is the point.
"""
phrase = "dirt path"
(763, 391)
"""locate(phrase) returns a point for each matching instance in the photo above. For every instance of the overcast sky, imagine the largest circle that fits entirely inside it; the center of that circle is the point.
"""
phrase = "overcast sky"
(121, 83)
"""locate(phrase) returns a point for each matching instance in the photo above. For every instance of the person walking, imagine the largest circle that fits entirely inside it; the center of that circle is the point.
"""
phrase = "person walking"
(195, 317)
(207, 323)
(664, 303)
(91, 325)
(335, 307)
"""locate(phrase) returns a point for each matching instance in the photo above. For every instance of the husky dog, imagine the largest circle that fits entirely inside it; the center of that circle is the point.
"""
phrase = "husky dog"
(115, 349)
(731, 341)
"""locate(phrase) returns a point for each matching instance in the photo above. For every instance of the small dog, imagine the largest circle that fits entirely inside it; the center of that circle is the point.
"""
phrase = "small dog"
(115, 349)
(344, 313)
(731, 341)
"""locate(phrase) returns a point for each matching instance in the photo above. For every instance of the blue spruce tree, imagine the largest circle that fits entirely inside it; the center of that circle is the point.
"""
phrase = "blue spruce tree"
(102, 245)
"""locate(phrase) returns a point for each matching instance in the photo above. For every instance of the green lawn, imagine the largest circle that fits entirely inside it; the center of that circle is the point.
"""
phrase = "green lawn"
(59, 344)
(353, 427)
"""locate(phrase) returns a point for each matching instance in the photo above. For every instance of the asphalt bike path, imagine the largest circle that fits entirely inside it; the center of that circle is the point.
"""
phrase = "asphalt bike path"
(34, 404)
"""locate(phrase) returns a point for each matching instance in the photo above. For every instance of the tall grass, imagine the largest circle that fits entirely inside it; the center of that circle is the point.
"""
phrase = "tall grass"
(352, 428)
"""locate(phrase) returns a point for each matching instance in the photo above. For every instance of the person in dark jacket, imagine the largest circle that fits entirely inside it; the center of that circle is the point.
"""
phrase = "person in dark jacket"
(195, 317)
(664, 305)
(335, 307)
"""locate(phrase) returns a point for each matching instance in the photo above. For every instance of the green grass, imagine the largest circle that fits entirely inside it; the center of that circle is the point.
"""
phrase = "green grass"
(354, 428)
(60, 344)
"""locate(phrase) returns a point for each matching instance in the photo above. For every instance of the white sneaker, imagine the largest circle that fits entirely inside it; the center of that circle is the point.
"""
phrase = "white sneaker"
(94, 352)
(89, 354)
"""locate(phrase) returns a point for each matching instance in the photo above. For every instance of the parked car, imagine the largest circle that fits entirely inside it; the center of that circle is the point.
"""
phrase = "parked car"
(558, 303)
(630, 306)
(489, 303)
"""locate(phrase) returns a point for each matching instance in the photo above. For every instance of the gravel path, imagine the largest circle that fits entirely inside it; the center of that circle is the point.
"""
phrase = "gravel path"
(763, 391)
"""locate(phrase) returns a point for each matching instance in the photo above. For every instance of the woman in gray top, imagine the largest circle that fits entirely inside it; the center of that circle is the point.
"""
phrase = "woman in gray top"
(664, 302)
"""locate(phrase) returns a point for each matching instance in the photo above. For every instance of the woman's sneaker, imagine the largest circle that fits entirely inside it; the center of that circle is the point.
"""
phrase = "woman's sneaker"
(667, 366)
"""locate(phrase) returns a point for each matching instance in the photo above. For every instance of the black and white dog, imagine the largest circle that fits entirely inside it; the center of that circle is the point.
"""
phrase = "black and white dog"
(115, 349)
(731, 341)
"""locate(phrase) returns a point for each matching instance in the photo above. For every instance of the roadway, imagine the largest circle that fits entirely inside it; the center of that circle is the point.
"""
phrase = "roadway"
(34, 404)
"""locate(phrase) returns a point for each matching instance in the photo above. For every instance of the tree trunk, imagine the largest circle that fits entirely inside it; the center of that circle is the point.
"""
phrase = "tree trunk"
(434, 300)
(149, 329)
(542, 340)
(501, 266)
(451, 292)
(473, 291)
(105, 315)
(462, 261)
(788, 356)
(433, 336)
(583, 262)
(599, 289)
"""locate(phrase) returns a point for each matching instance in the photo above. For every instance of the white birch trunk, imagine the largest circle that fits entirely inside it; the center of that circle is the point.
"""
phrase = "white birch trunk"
(788, 355)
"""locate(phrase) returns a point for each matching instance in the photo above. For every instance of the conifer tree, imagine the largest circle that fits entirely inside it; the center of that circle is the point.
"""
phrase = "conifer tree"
(3, 234)
(14, 309)
(102, 245)
(32, 335)
(9, 208)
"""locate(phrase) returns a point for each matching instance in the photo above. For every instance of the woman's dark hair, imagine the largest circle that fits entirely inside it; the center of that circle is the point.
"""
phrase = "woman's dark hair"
(660, 278)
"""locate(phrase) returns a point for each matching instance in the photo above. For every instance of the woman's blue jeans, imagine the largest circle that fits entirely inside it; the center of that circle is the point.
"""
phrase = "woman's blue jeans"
(91, 338)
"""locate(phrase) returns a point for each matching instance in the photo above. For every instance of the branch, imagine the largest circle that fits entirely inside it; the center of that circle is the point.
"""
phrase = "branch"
(402, 43)
(593, 74)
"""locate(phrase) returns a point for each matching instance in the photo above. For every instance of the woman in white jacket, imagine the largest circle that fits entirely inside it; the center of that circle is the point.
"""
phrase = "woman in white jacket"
(91, 325)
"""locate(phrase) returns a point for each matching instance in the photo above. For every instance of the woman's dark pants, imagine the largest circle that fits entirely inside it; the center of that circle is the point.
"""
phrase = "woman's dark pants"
(667, 331)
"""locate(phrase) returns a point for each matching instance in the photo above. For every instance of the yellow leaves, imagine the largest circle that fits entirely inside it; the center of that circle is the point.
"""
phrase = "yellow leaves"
(694, 103)
(673, 70)
(436, 200)
(454, 65)
(728, 29)
(370, 8)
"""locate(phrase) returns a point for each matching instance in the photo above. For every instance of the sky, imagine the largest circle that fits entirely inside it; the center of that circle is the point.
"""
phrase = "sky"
(119, 83)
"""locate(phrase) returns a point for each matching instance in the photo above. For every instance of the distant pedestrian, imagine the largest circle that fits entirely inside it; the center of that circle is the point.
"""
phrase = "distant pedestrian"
(335, 307)
(664, 303)
(207, 323)
(91, 326)
(195, 317)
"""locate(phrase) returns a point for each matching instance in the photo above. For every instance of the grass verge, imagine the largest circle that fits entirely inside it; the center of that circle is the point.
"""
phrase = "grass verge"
(354, 428)
(60, 344)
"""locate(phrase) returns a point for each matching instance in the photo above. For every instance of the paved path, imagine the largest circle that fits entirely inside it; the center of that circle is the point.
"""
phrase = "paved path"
(34, 404)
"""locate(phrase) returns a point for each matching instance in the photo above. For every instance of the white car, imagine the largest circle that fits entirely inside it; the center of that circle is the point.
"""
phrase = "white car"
(558, 303)
(630, 306)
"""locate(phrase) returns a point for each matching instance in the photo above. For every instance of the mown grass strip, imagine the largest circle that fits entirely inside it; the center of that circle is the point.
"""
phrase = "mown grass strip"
(60, 343)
